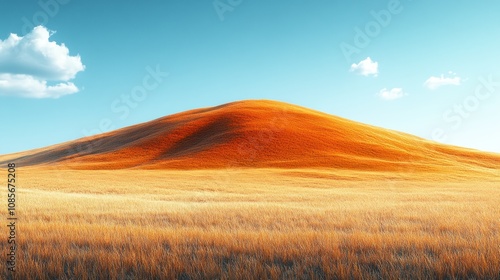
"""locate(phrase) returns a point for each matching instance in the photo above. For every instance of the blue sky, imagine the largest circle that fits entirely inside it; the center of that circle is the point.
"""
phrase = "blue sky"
(428, 68)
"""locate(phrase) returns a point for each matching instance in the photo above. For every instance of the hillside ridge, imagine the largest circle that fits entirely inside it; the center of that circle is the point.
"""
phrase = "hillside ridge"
(258, 134)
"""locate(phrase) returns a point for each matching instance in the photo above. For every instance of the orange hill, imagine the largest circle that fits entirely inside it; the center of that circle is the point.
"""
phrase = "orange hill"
(258, 134)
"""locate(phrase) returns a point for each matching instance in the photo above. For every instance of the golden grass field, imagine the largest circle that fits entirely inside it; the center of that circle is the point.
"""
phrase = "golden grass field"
(253, 224)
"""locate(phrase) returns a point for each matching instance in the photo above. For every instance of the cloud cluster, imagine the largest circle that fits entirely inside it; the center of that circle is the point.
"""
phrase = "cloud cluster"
(365, 67)
(368, 67)
(32, 66)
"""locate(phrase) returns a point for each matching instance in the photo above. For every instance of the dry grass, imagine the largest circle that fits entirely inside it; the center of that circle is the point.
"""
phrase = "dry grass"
(252, 225)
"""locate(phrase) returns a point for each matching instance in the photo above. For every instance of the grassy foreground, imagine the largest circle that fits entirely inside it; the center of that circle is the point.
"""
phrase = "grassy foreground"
(253, 224)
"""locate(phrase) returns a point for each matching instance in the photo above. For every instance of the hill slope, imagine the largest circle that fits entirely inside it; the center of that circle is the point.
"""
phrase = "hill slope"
(258, 134)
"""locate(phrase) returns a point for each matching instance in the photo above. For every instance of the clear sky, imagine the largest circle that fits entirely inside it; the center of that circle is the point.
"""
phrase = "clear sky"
(429, 68)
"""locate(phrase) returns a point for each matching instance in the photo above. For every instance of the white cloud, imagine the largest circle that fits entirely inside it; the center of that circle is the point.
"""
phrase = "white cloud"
(28, 86)
(391, 94)
(436, 82)
(33, 66)
(365, 67)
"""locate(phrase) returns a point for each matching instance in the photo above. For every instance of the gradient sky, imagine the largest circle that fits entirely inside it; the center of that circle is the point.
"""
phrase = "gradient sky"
(433, 67)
